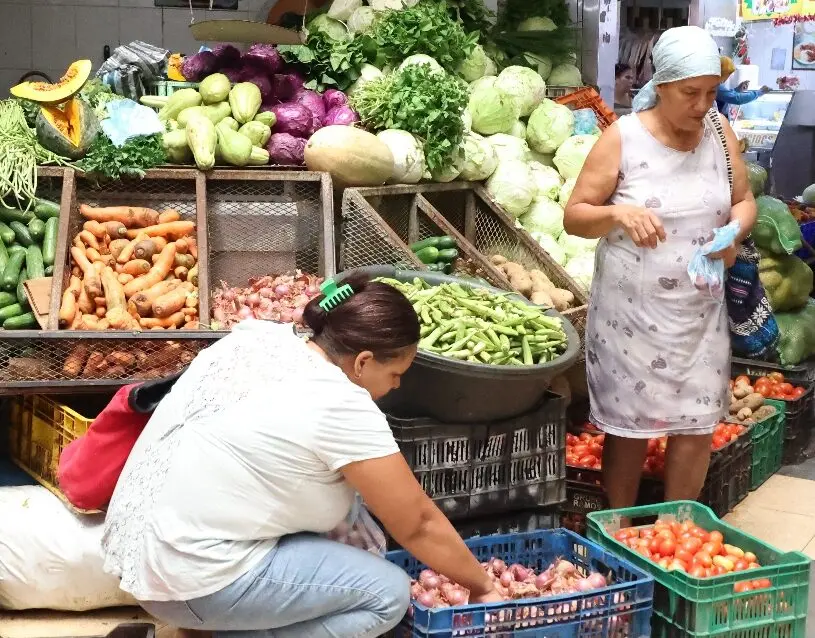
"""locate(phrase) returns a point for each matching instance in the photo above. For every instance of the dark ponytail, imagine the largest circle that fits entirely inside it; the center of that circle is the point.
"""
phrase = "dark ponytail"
(377, 318)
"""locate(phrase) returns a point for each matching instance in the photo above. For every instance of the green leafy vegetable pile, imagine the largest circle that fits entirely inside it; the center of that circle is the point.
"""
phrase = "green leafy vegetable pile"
(131, 160)
(422, 101)
(330, 63)
(424, 28)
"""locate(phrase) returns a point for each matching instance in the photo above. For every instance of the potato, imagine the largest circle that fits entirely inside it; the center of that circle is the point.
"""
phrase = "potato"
(519, 279)
(498, 260)
(744, 413)
(752, 401)
(562, 299)
(741, 391)
(540, 281)
(542, 298)
(765, 411)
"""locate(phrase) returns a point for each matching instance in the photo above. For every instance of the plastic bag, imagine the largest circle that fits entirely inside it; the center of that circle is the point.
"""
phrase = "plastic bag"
(585, 122)
(776, 229)
(706, 273)
(359, 529)
(130, 66)
(797, 330)
(127, 120)
(787, 281)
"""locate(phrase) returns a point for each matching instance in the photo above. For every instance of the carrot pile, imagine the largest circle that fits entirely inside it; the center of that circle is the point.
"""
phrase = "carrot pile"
(132, 269)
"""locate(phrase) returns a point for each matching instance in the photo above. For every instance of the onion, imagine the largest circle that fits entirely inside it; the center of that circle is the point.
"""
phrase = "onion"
(506, 578)
(219, 314)
(564, 568)
(241, 299)
(499, 566)
(312, 290)
(596, 580)
(519, 572)
(416, 589)
(253, 299)
(245, 312)
(428, 576)
(267, 292)
(297, 315)
(456, 598)
(583, 584)
(426, 599)
(544, 580)
(286, 316)
(282, 290)
(228, 294)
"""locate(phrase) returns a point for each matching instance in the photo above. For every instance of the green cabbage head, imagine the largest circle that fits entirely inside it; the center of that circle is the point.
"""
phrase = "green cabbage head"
(512, 187)
(549, 126)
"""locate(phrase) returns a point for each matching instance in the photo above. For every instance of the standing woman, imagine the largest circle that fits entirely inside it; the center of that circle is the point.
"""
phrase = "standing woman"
(623, 84)
(653, 188)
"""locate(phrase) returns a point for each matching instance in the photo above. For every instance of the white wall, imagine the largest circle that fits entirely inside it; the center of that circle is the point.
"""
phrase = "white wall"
(47, 35)
(762, 38)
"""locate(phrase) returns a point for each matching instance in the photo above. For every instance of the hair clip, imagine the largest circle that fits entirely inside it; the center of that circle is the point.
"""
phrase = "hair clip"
(334, 295)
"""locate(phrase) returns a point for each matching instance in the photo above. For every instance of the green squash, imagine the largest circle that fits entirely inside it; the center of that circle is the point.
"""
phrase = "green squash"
(67, 130)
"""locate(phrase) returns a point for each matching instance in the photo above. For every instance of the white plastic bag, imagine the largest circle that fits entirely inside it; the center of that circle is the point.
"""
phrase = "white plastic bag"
(51, 558)
(706, 273)
(359, 529)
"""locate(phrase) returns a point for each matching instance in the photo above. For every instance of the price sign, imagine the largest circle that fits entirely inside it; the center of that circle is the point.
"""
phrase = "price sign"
(769, 9)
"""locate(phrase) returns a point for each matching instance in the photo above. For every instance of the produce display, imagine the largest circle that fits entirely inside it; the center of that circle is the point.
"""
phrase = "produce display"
(476, 325)
(132, 269)
(273, 297)
(772, 386)
(28, 246)
(512, 582)
(534, 284)
(113, 360)
(688, 548)
(437, 253)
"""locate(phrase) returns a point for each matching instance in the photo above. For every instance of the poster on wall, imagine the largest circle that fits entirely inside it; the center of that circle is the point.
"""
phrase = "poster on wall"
(803, 47)
(769, 9)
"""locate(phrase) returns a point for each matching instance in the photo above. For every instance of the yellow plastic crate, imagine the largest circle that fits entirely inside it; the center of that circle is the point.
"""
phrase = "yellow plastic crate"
(40, 430)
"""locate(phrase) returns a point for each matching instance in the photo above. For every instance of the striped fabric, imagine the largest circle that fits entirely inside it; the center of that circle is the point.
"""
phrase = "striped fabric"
(131, 65)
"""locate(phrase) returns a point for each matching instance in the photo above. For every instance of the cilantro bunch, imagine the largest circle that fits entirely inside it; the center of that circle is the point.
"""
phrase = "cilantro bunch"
(424, 28)
(131, 160)
(427, 103)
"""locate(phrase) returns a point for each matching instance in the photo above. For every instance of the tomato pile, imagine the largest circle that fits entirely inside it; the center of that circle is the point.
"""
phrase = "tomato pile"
(688, 548)
(773, 386)
(725, 433)
(585, 450)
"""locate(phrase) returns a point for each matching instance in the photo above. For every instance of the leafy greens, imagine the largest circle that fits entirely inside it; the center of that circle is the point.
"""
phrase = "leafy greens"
(330, 63)
(131, 160)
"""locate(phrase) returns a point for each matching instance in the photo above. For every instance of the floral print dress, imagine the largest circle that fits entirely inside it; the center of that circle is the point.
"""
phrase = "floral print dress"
(658, 349)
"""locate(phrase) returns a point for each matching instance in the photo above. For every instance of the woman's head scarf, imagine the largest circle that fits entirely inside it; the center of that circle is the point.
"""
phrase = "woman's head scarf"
(681, 53)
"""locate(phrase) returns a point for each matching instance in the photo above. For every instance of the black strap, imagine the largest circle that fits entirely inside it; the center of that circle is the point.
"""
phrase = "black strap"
(716, 121)
(145, 397)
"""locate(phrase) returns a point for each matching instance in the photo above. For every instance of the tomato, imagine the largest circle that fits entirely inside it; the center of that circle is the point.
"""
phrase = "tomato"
(712, 548)
(740, 565)
(716, 537)
(718, 442)
(785, 388)
(742, 380)
(718, 570)
(701, 534)
(664, 563)
(692, 544)
(677, 565)
(742, 587)
(703, 558)
(776, 377)
(697, 571)
(797, 393)
(571, 439)
(667, 547)
(764, 391)
(596, 450)
(762, 583)
(753, 566)
(588, 460)
(585, 437)
(684, 555)
(580, 450)
(750, 557)
(571, 459)
(643, 551)
(647, 533)
(625, 533)
(654, 543)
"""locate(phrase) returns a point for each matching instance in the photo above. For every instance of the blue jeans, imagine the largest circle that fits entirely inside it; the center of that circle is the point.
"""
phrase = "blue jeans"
(307, 587)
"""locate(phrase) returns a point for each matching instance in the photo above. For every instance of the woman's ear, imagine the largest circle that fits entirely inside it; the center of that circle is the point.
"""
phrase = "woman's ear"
(363, 359)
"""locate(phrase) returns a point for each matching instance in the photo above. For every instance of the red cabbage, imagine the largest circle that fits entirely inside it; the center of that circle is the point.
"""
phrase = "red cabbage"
(227, 55)
(196, 67)
(251, 74)
(285, 85)
(234, 73)
(314, 103)
(286, 149)
(334, 97)
(341, 115)
(293, 118)
(265, 57)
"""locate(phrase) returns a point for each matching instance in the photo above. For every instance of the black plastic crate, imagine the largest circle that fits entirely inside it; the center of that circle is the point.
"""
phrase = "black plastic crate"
(503, 466)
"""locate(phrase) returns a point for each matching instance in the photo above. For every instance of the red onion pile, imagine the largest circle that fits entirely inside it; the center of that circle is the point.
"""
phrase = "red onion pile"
(273, 298)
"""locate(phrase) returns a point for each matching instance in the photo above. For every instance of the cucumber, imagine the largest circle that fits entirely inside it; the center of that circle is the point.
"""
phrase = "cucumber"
(49, 242)
(448, 269)
(6, 234)
(21, 233)
(9, 215)
(20, 322)
(49, 270)
(45, 209)
(446, 241)
(6, 299)
(448, 255)
(428, 255)
(437, 267)
(33, 262)
(11, 273)
(16, 248)
(37, 229)
(11, 311)
(425, 243)
(21, 298)
(3, 257)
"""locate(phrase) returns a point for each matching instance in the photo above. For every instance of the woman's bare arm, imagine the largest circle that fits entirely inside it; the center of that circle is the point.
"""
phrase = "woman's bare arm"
(743, 204)
(393, 495)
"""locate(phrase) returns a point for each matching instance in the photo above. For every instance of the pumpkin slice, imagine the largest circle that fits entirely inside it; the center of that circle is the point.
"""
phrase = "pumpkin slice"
(69, 85)
(67, 130)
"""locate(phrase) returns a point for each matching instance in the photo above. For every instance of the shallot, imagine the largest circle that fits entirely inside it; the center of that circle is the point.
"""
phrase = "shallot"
(280, 298)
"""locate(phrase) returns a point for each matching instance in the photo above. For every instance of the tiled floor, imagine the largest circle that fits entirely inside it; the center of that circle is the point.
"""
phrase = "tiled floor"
(780, 512)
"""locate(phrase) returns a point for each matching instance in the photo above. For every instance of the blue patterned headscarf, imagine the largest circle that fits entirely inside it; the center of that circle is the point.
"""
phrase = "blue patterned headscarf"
(680, 54)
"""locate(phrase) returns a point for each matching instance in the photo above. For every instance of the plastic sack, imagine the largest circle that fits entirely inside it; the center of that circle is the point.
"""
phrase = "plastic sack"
(797, 335)
(51, 558)
(776, 229)
(127, 120)
(706, 273)
(787, 281)
(359, 529)
(585, 122)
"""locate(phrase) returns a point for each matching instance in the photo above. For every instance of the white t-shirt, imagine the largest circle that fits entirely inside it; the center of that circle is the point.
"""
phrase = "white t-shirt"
(245, 449)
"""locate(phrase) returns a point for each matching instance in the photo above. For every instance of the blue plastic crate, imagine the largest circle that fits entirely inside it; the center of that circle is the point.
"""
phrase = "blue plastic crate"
(621, 610)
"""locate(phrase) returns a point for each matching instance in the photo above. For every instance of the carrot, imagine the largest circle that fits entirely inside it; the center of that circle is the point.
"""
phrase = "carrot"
(104, 324)
(181, 273)
(145, 249)
(78, 243)
(101, 311)
(192, 299)
(167, 322)
(95, 228)
(181, 246)
(77, 320)
(117, 246)
(121, 358)
(192, 244)
(129, 216)
(74, 286)
(142, 302)
(93, 255)
(191, 325)
(120, 320)
(87, 238)
(75, 361)
(125, 278)
(158, 272)
(169, 303)
(115, 230)
(96, 365)
(157, 328)
(76, 272)
(67, 310)
(170, 229)
(114, 292)
(160, 243)
(88, 322)
(91, 283)
(84, 302)
(127, 252)
(192, 275)
(169, 215)
(136, 267)
(183, 260)
(190, 312)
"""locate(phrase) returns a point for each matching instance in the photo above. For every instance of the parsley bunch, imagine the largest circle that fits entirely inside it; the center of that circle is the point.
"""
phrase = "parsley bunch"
(329, 63)
(424, 28)
(131, 160)
(427, 103)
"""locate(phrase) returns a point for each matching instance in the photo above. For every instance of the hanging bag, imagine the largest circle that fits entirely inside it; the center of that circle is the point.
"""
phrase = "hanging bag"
(753, 330)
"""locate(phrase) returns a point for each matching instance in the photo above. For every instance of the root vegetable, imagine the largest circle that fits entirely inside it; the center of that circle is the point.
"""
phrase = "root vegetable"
(117, 246)
(519, 279)
(169, 215)
(75, 361)
(181, 272)
(132, 217)
(186, 261)
(172, 321)
(115, 230)
(135, 267)
(68, 309)
(145, 249)
(170, 229)
(192, 275)
(114, 292)
(562, 299)
(88, 322)
(74, 285)
(91, 281)
(84, 302)
(498, 260)
(87, 238)
(542, 298)
(752, 401)
(158, 272)
(97, 229)
(169, 303)
(142, 303)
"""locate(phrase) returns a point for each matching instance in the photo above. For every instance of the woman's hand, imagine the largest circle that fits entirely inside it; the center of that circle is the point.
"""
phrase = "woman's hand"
(728, 255)
(490, 597)
(642, 225)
